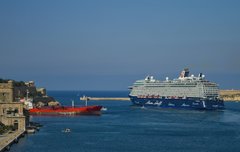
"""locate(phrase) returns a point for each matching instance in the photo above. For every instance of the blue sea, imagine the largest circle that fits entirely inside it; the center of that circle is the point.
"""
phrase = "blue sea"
(126, 128)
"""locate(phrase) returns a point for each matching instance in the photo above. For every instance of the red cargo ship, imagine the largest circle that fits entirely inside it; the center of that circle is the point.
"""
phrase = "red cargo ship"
(61, 110)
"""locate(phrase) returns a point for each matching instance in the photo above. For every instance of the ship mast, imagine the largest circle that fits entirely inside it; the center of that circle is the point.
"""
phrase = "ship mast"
(73, 103)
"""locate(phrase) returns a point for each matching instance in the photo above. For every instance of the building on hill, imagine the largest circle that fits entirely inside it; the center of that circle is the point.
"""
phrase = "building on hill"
(41, 92)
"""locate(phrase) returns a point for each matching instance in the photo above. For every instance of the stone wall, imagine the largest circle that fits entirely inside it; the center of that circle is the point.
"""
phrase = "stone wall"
(7, 92)
(12, 114)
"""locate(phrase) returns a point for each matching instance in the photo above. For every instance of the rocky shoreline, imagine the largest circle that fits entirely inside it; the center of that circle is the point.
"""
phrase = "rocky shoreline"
(45, 101)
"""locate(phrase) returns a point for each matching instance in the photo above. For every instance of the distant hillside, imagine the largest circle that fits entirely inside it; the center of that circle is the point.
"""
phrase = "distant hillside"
(230, 95)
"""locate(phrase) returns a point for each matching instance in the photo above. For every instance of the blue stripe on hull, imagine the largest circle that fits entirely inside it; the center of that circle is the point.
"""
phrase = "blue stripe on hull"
(179, 103)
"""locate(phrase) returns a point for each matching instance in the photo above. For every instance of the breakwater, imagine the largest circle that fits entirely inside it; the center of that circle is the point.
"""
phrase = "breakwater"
(226, 95)
(105, 98)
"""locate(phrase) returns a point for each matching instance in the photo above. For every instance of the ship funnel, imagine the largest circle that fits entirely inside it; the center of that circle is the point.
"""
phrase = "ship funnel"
(184, 73)
(147, 78)
(200, 75)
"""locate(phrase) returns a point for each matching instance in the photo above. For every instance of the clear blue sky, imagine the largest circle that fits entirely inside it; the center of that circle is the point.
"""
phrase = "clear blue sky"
(108, 44)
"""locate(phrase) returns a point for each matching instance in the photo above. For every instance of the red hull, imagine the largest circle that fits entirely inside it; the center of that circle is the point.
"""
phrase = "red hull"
(88, 110)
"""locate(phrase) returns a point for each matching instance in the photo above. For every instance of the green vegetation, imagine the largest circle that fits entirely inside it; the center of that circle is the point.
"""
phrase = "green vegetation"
(20, 83)
(3, 80)
(16, 83)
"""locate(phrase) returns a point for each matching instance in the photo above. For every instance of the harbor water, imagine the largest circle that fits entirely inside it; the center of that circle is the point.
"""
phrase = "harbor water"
(126, 128)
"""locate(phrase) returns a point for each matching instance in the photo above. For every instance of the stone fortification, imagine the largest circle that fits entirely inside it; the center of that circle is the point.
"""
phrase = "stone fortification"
(7, 91)
(11, 111)
(230, 95)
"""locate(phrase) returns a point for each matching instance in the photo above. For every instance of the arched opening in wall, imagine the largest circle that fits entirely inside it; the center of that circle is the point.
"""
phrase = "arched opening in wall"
(15, 125)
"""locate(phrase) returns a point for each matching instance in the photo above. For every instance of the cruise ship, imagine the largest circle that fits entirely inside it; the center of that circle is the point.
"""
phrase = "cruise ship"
(185, 92)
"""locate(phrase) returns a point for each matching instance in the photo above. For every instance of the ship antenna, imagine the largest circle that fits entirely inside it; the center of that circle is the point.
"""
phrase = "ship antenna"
(27, 94)
(86, 100)
(73, 103)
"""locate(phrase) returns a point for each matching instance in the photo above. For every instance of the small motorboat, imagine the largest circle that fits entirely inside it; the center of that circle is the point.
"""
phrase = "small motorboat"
(66, 130)
(30, 130)
(103, 109)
